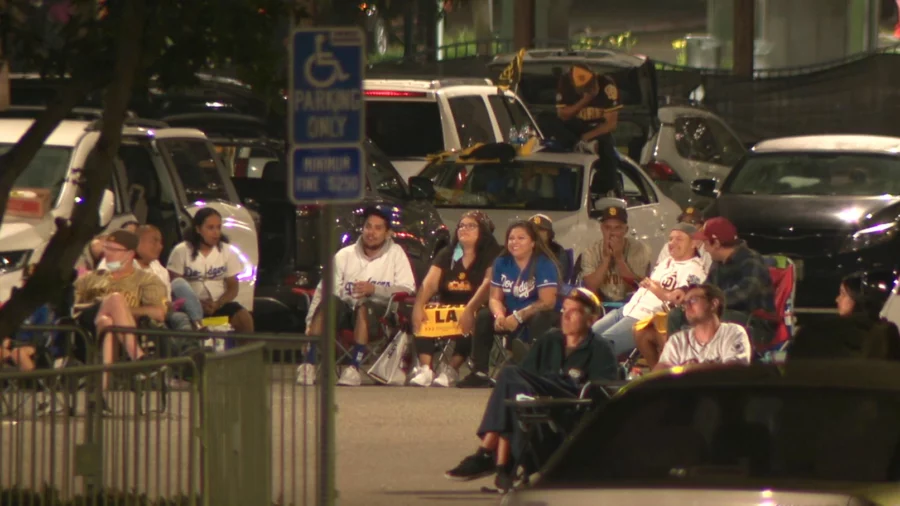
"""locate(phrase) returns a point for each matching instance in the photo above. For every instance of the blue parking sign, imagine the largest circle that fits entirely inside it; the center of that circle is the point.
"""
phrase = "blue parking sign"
(327, 114)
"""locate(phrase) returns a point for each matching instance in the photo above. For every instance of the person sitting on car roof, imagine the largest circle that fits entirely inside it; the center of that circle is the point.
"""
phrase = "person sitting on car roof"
(613, 265)
(683, 268)
(522, 303)
(589, 105)
(561, 362)
(740, 273)
(545, 229)
(707, 340)
(460, 275)
(366, 275)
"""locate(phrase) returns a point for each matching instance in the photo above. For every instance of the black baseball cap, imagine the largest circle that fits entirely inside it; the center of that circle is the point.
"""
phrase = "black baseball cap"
(614, 213)
(124, 238)
(374, 211)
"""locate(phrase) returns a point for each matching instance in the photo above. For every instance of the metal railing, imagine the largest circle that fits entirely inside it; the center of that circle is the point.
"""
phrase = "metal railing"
(227, 428)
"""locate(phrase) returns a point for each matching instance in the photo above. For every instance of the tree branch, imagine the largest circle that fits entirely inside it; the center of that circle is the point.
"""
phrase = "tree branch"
(56, 268)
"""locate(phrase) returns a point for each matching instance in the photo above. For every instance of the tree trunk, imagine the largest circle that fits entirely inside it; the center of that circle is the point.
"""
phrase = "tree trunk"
(56, 267)
(409, 29)
(428, 18)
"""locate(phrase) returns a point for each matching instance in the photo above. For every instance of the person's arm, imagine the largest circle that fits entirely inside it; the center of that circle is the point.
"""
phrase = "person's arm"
(612, 121)
(478, 300)
(495, 303)
(154, 300)
(231, 292)
(546, 278)
(755, 280)
(177, 262)
(596, 264)
(603, 364)
(403, 279)
(567, 112)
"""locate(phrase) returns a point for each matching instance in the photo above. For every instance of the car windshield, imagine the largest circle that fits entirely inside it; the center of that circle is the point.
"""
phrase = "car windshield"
(405, 129)
(817, 174)
(743, 433)
(47, 170)
(530, 186)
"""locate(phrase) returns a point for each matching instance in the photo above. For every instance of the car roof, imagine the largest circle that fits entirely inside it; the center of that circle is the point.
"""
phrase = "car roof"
(424, 84)
(612, 57)
(831, 143)
(572, 158)
(835, 374)
(69, 132)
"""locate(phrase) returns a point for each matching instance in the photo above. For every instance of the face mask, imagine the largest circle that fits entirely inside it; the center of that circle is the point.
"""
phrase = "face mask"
(113, 266)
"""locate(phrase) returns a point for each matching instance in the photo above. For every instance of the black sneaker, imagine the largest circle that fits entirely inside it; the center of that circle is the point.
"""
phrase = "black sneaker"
(476, 380)
(477, 465)
(106, 411)
(505, 479)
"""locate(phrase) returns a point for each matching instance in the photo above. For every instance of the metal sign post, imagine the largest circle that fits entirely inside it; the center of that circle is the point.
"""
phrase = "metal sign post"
(327, 128)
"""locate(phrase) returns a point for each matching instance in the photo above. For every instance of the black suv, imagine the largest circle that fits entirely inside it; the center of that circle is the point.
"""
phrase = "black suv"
(289, 235)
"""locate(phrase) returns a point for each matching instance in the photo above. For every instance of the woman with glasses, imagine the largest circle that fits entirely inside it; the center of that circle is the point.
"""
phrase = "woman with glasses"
(523, 298)
(460, 275)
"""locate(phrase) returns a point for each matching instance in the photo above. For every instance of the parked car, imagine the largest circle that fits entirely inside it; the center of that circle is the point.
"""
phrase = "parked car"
(412, 119)
(564, 186)
(162, 177)
(830, 202)
(692, 143)
(809, 434)
(290, 235)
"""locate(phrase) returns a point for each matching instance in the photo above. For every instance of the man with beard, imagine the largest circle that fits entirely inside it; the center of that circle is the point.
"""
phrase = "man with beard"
(366, 274)
(708, 340)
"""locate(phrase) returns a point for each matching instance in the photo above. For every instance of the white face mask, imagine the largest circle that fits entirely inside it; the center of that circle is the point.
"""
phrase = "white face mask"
(113, 266)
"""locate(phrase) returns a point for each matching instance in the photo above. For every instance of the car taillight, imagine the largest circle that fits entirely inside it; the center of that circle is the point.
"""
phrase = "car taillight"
(395, 94)
(240, 167)
(661, 171)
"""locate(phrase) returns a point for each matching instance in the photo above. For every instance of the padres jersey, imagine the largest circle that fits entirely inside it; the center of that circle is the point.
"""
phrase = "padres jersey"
(730, 345)
(571, 88)
(671, 275)
(140, 288)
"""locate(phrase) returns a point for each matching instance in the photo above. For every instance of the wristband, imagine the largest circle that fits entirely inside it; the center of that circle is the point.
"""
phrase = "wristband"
(517, 317)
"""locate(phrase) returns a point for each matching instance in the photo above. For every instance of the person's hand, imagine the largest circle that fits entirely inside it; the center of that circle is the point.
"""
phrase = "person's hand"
(209, 307)
(500, 323)
(676, 296)
(511, 323)
(592, 90)
(419, 318)
(362, 289)
(616, 247)
(650, 284)
(467, 322)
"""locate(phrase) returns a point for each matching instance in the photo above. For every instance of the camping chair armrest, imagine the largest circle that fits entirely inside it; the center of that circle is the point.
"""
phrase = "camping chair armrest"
(547, 403)
(306, 293)
(764, 315)
(396, 298)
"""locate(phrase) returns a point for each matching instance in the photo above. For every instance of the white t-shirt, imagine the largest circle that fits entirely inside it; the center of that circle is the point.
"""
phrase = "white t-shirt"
(671, 275)
(704, 257)
(206, 274)
(730, 345)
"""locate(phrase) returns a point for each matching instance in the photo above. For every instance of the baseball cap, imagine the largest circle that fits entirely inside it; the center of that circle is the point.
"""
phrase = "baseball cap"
(374, 211)
(719, 229)
(691, 215)
(542, 221)
(614, 213)
(687, 228)
(586, 297)
(124, 238)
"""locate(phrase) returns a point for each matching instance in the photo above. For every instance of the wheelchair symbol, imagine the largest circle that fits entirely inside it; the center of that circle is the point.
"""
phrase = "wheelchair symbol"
(321, 59)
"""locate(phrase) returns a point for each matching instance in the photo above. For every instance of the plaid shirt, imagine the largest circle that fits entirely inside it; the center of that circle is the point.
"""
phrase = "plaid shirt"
(745, 280)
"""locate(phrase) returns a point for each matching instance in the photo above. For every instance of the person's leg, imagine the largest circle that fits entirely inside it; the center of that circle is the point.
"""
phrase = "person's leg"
(116, 308)
(23, 357)
(483, 340)
(646, 342)
(181, 289)
(621, 335)
(461, 352)
(425, 349)
(176, 320)
(108, 345)
(605, 323)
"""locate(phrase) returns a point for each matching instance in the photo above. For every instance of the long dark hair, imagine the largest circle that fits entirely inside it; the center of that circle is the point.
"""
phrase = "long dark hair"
(540, 247)
(866, 303)
(486, 247)
(194, 238)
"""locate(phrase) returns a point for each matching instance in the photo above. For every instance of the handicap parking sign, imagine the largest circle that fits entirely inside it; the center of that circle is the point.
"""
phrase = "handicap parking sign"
(327, 125)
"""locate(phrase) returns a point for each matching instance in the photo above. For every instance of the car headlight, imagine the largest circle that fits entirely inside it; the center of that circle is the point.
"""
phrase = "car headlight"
(13, 260)
(872, 236)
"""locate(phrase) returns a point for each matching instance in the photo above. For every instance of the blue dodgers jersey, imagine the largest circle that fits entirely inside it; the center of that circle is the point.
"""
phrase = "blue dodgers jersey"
(520, 293)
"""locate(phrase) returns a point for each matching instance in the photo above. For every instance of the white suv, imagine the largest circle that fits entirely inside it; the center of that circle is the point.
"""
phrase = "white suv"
(411, 119)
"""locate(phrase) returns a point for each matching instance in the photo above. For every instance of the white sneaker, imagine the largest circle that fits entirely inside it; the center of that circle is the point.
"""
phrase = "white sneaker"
(350, 377)
(447, 378)
(306, 374)
(422, 377)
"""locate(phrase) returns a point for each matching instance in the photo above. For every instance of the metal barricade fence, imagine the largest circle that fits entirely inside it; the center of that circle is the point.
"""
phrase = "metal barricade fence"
(223, 428)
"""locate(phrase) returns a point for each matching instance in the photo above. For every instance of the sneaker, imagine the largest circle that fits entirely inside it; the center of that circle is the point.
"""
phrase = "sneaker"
(476, 380)
(477, 465)
(422, 377)
(350, 377)
(91, 406)
(447, 378)
(505, 479)
(306, 374)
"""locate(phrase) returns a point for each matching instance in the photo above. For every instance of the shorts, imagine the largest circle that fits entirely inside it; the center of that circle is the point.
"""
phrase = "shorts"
(346, 315)
(229, 309)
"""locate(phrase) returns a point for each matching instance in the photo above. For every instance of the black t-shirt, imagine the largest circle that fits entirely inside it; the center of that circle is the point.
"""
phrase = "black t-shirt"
(458, 284)
(592, 115)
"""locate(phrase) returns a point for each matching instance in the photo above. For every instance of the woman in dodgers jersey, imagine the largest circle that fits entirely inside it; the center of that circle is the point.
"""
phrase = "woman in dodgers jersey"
(206, 261)
(683, 267)
(523, 297)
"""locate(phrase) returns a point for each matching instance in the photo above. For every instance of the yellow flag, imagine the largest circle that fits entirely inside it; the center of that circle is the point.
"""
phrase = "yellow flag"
(512, 74)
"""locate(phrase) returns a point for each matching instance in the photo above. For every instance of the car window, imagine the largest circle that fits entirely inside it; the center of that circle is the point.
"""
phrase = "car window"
(473, 123)
(47, 170)
(502, 113)
(383, 178)
(636, 193)
(405, 129)
(529, 186)
(730, 148)
(707, 434)
(694, 140)
(817, 174)
(520, 114)
(195, 165)
(150, 193)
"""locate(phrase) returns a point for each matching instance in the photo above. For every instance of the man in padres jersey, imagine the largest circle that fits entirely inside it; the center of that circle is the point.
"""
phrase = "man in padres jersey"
(589, 106)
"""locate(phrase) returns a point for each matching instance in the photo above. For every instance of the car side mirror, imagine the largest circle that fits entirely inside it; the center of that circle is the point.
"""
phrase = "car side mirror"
(705, 187)
(107, 208)
(421, 188)
(606, 202)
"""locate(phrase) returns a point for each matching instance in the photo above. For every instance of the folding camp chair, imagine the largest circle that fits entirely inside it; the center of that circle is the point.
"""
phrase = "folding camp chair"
(784, 281)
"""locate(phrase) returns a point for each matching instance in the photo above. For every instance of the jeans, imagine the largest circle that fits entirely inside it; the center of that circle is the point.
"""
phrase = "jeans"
(177, 320)
(181, 289)
(618, 329)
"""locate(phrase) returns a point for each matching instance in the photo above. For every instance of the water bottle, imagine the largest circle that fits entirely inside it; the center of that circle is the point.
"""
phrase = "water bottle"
(513, 136)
